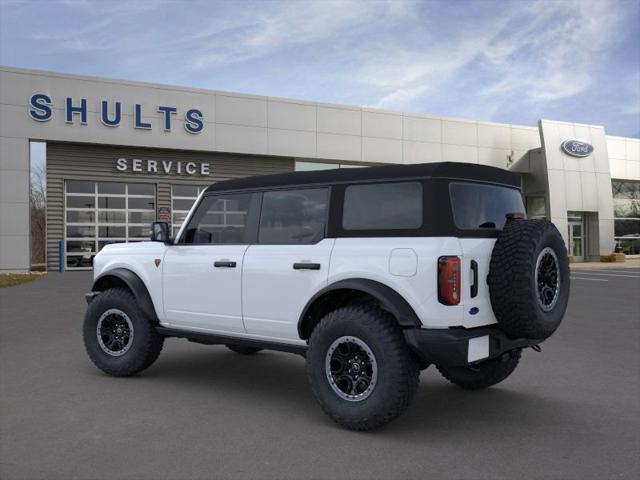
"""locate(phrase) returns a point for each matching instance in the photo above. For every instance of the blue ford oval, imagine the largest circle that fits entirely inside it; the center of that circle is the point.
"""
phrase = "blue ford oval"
(577, 148)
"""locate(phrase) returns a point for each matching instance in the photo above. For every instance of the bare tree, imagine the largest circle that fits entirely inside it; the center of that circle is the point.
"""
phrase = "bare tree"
(37, 207)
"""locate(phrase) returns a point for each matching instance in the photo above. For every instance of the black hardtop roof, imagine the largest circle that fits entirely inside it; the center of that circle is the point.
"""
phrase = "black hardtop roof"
(453, 170)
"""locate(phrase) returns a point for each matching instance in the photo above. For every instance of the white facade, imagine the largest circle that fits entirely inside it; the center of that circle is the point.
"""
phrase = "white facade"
(306, 131)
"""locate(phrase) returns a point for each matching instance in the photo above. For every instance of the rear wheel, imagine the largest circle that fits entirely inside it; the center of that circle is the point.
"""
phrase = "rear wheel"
(360, 369)
(118, 337)
(244, 350)
(482, 375)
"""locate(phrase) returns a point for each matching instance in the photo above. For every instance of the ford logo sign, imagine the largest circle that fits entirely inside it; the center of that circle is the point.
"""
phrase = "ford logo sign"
(577, 148)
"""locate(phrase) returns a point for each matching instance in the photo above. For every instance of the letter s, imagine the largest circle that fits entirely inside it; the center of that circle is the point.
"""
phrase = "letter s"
(121, 164)
(193, 121)
(40, 107)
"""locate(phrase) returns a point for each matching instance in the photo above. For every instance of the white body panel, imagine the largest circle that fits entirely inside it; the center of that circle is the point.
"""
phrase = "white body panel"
(199, 295)
(273, 293)
(375, 259)
(139, 257)
(263, 296)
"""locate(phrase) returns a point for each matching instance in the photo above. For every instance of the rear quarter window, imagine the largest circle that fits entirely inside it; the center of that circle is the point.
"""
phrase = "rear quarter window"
(383, 206)
(477, 206)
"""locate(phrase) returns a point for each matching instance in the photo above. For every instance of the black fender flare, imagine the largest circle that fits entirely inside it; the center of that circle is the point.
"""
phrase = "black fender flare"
(389, 299)
(135, 284)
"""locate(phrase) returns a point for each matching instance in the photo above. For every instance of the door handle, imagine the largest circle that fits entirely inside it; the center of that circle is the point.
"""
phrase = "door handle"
(474, 272)
(224, 263)
(306, 266)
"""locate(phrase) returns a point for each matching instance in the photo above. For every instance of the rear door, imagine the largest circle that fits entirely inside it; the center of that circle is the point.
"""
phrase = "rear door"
(289, 263)
(202, 273)
(479, 212)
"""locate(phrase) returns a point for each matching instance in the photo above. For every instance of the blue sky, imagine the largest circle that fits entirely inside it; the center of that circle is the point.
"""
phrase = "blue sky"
(512, 62)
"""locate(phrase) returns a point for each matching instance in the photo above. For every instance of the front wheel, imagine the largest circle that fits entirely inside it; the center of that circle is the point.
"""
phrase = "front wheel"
(482, 375)
(360, 369)
(118, 337)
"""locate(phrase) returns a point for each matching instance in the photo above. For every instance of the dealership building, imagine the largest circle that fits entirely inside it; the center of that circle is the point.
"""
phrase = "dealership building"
(120, 154)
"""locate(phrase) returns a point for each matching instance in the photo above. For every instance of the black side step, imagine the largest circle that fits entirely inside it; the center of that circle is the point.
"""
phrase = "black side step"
(214, 339)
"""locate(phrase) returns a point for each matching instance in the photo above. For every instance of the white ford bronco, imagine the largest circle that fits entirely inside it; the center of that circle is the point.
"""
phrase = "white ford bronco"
(371, 274)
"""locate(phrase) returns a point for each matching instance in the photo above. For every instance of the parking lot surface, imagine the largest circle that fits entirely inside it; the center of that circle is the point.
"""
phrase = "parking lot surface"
(572, 411)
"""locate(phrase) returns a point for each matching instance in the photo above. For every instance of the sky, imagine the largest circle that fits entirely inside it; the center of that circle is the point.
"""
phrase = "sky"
(508, 62)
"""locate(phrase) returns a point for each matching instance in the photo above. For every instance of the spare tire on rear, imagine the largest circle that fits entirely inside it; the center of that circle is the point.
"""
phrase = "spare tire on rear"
(529, 279)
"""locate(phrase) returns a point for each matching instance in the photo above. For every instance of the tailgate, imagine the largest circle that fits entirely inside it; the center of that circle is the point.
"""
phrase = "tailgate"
(476, 257)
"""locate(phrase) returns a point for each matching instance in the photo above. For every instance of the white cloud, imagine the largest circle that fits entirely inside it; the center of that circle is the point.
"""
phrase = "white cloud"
(547, 64)
(542, 52)
(288, 24)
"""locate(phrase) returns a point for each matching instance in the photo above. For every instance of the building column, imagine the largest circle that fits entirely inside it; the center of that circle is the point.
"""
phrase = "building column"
(15, 237)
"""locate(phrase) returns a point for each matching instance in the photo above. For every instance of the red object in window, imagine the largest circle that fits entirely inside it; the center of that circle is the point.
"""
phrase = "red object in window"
(449, 280)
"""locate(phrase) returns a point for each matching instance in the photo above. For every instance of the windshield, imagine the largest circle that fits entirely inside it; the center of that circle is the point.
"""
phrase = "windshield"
(477, 206)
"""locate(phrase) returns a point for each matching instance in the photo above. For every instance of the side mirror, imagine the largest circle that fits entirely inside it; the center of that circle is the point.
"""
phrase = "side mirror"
(160, 232)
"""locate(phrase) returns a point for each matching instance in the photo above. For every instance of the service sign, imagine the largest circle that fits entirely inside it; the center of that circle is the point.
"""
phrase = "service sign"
(577, 148)
(162, 167)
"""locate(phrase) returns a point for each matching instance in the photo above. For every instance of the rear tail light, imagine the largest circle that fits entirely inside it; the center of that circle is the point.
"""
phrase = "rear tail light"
(449, 280)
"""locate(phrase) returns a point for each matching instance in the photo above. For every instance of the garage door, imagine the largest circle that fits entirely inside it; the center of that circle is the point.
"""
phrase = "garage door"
(99, 213)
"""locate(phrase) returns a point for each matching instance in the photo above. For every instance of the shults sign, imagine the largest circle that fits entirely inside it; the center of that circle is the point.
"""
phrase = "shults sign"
(41, 110)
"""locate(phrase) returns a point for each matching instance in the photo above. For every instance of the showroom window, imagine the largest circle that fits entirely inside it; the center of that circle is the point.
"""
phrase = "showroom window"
(626, 211)
(182, 199)
(536, 207)
(310, 166)
(100, 213)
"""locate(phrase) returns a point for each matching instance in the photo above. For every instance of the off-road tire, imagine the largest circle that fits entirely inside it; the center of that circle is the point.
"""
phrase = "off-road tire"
(482, 375)
(398, 372)
(512, 279)
(145, 346)
(242, 349)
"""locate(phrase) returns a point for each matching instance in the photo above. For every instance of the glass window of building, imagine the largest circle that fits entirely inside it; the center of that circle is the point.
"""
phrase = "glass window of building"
(536, 207)
(100, 213)
(626, 212)
(309, 166)
(182, 199)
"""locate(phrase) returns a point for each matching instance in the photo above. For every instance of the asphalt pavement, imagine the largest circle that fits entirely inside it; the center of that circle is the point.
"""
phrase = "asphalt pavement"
(569, 412)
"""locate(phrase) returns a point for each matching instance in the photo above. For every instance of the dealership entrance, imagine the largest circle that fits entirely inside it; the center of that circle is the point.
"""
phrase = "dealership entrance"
(576, 236)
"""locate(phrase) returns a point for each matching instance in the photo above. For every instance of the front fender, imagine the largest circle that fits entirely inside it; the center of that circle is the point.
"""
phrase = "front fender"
(133, 282)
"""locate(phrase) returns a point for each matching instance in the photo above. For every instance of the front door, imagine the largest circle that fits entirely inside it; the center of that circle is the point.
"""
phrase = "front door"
(289, 263)
(202, 272)
(576, 237)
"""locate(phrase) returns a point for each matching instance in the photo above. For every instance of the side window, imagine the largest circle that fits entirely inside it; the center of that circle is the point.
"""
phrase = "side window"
(293, 216)
(219, 219)
(383, 206)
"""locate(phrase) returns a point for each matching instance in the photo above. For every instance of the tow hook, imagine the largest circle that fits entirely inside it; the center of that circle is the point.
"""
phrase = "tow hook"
(536, 348)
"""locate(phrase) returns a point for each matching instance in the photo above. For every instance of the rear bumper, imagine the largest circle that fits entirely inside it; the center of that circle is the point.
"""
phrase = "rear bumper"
(462, 346)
